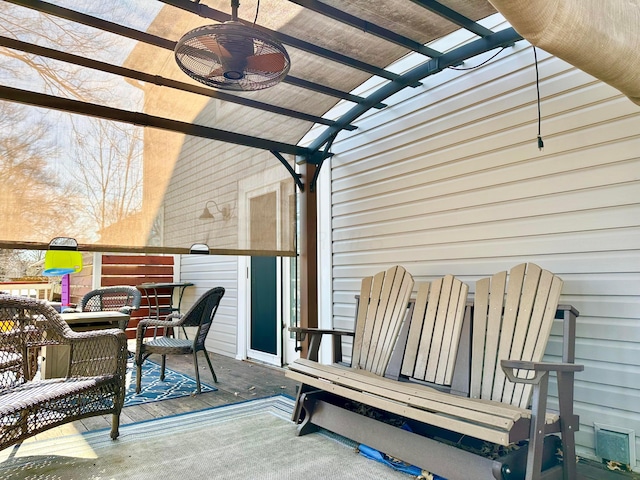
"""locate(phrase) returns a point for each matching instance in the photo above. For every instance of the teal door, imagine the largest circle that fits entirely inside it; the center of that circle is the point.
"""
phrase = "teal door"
(264, 326)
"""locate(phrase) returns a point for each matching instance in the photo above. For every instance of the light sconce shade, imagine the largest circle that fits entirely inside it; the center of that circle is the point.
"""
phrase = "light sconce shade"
(225, 211)
(199, 249)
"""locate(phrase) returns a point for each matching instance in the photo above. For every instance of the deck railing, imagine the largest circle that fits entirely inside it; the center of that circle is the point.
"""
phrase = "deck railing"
(39, 290)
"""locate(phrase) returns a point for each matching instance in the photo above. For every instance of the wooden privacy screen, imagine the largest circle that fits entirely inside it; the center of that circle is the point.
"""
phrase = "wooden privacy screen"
(126, 270)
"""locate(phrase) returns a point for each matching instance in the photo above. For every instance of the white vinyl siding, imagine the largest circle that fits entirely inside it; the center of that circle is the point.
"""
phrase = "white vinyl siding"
(449, 179)
(207, 272)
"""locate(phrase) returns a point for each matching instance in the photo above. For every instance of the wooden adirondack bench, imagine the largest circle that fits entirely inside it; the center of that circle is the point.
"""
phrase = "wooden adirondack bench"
(511, 325)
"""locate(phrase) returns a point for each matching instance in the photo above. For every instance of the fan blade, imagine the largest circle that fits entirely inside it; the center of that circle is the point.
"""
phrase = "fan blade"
(211, 44)
(218, 72)
(270, 62)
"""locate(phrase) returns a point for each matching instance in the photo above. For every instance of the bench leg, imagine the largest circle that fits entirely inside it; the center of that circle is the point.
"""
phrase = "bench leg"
(298, 414)
(568, 424)
(536, 436)
(303, 411)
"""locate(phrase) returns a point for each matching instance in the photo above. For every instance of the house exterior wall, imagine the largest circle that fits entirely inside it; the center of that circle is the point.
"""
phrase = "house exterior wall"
(449, 179)
(207, 272)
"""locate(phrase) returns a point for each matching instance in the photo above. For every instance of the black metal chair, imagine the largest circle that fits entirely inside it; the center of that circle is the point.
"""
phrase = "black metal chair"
(123, 299)
(199, 315)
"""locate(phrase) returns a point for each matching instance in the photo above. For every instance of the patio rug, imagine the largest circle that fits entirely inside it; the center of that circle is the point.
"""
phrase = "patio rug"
(249, 440)
(153, 390)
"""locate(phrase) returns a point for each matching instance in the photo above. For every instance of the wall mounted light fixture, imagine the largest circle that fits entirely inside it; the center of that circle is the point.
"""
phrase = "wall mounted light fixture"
(225, 211)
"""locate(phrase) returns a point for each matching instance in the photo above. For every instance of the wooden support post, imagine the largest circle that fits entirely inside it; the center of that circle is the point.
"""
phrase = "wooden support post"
(308, 254)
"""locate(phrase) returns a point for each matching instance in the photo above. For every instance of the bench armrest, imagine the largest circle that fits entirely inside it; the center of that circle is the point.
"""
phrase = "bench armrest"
(319, 331)
(315, 337)
(540, 369)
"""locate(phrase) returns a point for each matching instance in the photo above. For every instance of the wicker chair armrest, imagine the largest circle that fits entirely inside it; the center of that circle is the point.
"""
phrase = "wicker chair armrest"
(171, 320)
(152, 322)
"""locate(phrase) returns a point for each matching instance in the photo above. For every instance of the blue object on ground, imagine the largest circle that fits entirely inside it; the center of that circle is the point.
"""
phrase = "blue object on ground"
(374, 454)
(399, 465)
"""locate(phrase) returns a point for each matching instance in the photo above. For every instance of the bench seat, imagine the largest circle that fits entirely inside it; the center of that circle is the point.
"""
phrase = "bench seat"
(483, 419)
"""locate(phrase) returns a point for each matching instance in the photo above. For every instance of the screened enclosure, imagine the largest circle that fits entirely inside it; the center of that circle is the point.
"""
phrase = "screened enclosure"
(106, 140)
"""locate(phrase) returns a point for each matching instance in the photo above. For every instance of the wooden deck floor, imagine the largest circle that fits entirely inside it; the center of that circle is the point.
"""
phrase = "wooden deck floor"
(239, 381)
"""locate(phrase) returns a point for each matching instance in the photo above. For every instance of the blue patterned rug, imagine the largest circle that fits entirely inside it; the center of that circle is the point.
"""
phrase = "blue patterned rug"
(175, 385)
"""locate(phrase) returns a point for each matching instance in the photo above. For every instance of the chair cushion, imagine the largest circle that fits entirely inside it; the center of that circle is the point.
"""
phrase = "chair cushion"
(44, 391)
(168, 345)
(170, 342)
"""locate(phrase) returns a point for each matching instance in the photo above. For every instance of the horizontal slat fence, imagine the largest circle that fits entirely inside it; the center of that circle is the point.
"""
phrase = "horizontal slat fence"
(130, 270)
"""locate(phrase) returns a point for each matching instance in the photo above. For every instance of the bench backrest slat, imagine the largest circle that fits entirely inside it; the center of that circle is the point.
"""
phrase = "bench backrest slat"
(512, 320)
(434, 331)
(382, 306)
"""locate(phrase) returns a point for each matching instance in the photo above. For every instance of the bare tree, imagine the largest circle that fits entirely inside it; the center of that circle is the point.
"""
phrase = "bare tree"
(108, 169)
(102, 158)
(58, 78)
(26, 179)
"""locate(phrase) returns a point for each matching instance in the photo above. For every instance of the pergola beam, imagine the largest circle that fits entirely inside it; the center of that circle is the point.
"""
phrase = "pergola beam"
(119, 115)
(161, 81)
(454, 17)
(368, 27)
(502, 38)
(150, 39)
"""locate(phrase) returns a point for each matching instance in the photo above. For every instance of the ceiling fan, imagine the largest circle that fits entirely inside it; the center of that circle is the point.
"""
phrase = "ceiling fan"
(232, 56)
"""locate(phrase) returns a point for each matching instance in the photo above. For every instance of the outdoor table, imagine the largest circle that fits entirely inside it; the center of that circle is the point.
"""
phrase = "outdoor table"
(55, 358)
(164, 298)
(156, 291)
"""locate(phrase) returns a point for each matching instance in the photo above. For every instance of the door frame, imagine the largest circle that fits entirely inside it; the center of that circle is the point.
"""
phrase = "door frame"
(257, 354)
(270, 181)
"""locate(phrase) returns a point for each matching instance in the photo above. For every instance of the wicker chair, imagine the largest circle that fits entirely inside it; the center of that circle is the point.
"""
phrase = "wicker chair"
(123, 299)
(95, 383)
(199, 315)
